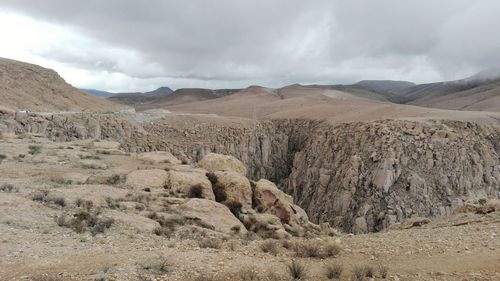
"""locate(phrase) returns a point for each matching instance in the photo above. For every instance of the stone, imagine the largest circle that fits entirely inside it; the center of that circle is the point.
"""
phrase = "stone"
(212, 214)
(231, 187)
(141, 179)
(182, 182)
(213, 162)
(271, 200)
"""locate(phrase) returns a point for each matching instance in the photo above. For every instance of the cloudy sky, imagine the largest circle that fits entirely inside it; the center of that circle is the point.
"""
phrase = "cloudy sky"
(120, 45)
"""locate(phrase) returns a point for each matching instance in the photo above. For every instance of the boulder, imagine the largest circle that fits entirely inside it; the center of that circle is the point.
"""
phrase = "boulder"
(156, 157)
(217, 162)
(212, 214)
(141, 179)
(271, 200)
(186, 183)
(231, 188)
(265, 225)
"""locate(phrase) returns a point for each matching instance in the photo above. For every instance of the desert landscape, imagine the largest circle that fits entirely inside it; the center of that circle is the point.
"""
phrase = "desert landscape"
(230, 177)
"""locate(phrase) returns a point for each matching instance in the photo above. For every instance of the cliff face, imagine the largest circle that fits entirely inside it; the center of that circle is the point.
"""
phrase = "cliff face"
(367, 176)
(357, 176)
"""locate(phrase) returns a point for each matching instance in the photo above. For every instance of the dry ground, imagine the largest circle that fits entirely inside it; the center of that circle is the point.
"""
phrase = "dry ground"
(35, 247)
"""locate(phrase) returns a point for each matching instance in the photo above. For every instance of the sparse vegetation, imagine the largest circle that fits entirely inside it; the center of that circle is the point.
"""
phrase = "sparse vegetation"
(358, 273)
(34, 149)
(2, 157)
(112, 203)
(369, 271)
(113, 179)
(210, 242)
(7, 187)
(270, 246)
(159, 265)
(296, 270)
(334, 271)
(234, 207)
(196, 191)
(308, 248)
(43, 197)
(383, 271)
(83, 221)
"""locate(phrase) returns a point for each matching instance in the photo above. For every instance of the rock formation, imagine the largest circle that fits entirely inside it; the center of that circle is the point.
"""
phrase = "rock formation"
(362, 176)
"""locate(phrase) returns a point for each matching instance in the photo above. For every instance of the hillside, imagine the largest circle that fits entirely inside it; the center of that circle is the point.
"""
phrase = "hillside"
(133, 99)
(316, 102)
(32, 87)
(185, 95)
(97, 93)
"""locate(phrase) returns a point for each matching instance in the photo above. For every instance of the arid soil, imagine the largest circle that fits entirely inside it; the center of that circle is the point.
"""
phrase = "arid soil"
(462, 246)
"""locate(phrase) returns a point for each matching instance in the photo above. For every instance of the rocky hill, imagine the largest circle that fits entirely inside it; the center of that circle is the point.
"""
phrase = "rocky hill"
(31, 87)
(133, 99)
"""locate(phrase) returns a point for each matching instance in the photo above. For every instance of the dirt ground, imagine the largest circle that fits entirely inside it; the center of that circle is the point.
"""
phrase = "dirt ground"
(464, 246)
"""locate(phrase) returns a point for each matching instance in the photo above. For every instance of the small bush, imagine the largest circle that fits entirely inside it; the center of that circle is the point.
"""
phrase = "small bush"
(2, 157)
(358, 273)
(309, 248)
(270, 246)
(40, 196)
(58, 201)
(7, 187)
(334, 271)
(158, 265)
(248, 275)
(140, 207)
(331, 249)
(369, 271)
(236, 229)
(113, 179)
(296, 270)
(213, 243)
(196, 191)
(383, 271)
(34, 149)
(83, 221)
(112, 203)
(234, 207)
(163, 231)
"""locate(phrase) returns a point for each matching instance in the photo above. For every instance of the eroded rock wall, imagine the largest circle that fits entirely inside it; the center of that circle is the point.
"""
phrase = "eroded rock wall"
(362, 176)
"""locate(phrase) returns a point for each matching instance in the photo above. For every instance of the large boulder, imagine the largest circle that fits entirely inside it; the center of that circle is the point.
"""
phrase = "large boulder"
(269, 199)
(190, 183)
(217, 162)
(211, 214)
(231, 189)
(141, 179)
(156, 157)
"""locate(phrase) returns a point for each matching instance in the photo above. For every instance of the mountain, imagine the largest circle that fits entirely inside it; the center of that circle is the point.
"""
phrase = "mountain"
(32, 87)
(133, 99)
(97, 93)
(383, 86)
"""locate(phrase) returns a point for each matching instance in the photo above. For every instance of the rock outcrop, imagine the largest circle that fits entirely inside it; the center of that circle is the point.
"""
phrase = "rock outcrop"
(362, 176)
(216, 162)
(141, 179)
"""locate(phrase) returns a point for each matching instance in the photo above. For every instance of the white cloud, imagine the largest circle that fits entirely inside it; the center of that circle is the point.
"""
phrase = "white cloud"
(129, 45)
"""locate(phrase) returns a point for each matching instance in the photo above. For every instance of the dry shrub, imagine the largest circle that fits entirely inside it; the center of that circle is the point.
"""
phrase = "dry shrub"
(296, 270)
(334, 271)
(7, 187)
(210, 242)
(34, 149)
(83, 221)
(195, 191)
(358, 273)
(270, 246)
(159, 264)
(383, 271)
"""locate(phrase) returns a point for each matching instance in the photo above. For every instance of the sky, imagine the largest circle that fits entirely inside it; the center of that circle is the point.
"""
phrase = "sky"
(127, 46)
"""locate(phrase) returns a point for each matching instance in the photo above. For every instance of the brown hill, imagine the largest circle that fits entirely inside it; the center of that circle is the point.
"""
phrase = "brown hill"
(297, 101)
(185, 95)
(32, 87)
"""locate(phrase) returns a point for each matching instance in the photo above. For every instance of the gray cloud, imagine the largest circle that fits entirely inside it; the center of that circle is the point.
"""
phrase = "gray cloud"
(222, 43)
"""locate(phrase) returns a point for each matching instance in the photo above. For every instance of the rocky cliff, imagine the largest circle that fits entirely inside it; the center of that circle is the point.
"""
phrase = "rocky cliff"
(362, 176)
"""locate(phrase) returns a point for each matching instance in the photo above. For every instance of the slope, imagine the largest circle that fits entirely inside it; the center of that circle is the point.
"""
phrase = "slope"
(32, 87)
